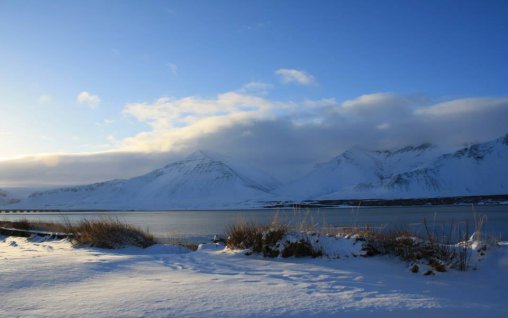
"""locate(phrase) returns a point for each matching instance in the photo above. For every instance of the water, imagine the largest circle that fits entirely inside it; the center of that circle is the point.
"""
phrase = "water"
(200, 226)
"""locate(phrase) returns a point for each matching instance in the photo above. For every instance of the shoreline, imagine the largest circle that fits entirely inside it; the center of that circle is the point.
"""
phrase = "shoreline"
(498, 199)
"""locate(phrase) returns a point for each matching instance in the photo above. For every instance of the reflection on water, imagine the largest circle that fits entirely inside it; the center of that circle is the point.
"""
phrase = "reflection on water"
(200, 226)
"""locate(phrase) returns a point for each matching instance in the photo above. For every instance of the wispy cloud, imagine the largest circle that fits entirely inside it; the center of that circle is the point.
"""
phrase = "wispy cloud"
(88, 99)
(291, 135)
(325, 127)
(294, 76)
(256, 88)
(173, 68)
(175, 120)
(45, 99)
(255, 26)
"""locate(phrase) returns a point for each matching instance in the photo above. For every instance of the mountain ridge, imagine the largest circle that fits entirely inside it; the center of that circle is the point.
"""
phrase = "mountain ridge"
(206, 179)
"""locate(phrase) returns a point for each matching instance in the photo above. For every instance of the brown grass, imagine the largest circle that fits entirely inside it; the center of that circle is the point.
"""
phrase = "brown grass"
(268, 240)
(110, 233)
(246, 235)
(24, 224)
(103, 233)
(440, 250)
(300, 249)
(256, 237)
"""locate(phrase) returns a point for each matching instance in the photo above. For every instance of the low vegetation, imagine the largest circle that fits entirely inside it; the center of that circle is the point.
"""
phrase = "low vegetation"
(438, 250)
(26, 225)
(103, 233)
(110, 233)
(269, 240)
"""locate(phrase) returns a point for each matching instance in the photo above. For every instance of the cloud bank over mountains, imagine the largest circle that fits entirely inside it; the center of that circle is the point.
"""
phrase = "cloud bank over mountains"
(282, 137)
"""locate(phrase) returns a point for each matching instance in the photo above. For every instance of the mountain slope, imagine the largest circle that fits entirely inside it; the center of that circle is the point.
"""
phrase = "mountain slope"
(6, 198)
(410, 172)
(202, 180)
(358, 172)
(205, 180)
(478, 169)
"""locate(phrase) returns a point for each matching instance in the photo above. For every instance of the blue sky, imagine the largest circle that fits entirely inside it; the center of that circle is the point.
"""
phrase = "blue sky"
(124, 56)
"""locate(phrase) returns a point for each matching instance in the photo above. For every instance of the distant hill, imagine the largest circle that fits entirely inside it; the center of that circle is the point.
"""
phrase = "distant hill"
(410, 172)
(7, 198)
(202, 180)
(209, 181)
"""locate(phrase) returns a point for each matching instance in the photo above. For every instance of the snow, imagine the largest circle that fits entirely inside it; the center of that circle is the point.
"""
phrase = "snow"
(200, 180)
(40, 278)
(358, 173)
(410, 172)
(206, 180)
(7, 198)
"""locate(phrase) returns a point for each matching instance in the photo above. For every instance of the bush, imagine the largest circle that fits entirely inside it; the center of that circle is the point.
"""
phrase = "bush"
(109, 233)
(246, 236)
(300, 249)
(258, 238)
(103, 233)
(22, 224)
(26, 225)
(270, 240)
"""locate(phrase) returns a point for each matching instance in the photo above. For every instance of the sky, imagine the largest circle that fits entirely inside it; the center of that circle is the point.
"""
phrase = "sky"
(93, 90)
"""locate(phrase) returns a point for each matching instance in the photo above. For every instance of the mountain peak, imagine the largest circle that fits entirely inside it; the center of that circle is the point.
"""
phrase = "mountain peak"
(504, 139)
(200, 154)
(421, 147)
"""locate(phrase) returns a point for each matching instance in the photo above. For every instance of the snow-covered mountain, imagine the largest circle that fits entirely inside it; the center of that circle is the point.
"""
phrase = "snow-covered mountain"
(7, 198)
(202, 180)
(205, 180)
(358, 173)
(478, 169)
(410, 172)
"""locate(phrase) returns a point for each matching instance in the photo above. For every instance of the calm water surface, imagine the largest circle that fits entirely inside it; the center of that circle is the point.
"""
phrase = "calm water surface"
(200, 226)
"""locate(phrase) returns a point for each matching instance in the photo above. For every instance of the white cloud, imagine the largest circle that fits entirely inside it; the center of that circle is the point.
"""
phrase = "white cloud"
(256, 26)
(175, 120)
(173, 68)
(256, 88)
(5, 133)
(282, 137)
(88, 99)
(45, 99)
(462, 106)
(105, 122)
(281, 129)
(289, 76)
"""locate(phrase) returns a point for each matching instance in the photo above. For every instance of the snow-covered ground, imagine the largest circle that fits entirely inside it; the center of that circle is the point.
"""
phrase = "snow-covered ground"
(53, 279)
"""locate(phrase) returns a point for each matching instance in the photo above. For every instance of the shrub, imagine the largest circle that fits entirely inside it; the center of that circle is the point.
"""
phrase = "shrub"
(246, 235)
(109, 233)
(300, 249)
(270, 240)
(22, 224)
(258, 238)
(25, 224)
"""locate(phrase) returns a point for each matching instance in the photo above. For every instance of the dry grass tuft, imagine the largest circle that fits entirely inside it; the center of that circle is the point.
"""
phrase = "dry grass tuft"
(22, 224)
(246, 235)
(104, 233)
(258, 238)
(300, 249)
(25, 224)
(110, 233)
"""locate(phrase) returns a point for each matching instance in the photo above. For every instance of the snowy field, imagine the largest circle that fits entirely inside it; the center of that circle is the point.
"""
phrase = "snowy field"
(52, 279)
